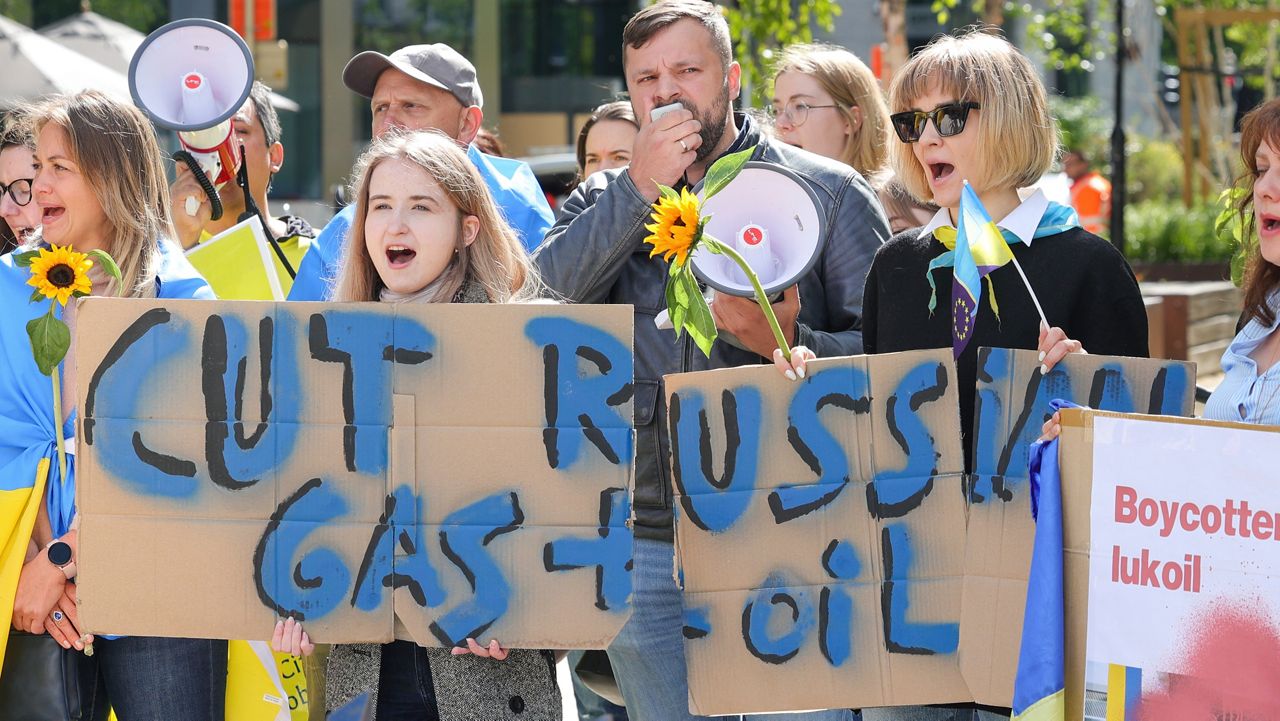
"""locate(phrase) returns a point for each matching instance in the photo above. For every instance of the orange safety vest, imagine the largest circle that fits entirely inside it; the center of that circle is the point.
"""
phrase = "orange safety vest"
(1091, 197)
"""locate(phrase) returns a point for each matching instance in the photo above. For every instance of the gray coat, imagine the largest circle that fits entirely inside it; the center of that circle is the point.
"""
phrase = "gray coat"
(468, 688)
(595, 253)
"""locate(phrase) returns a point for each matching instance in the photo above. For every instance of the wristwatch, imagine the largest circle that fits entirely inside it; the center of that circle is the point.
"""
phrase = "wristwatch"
(60, 556)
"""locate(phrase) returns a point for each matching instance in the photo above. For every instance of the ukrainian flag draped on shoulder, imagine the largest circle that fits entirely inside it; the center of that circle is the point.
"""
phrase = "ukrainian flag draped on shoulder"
(28, 438)
(1039, 687)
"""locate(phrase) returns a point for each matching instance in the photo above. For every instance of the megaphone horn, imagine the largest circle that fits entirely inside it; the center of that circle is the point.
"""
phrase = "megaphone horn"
(191, 76)
(772, 218)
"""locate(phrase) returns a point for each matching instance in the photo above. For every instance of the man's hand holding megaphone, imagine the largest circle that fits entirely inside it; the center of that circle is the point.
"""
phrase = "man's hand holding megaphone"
(743, 318)
(186, 193)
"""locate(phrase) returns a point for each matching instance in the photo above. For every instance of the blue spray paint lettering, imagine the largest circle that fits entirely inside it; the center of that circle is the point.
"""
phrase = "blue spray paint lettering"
(114, 391)
(609, 555)
(271, 442)
(835, 604)
(318, 582)
(758, 615)
(894, 493)
(715, 504)
(901, 635)
(362, 343)
(822, 452)
(589, 402)
(464, 538)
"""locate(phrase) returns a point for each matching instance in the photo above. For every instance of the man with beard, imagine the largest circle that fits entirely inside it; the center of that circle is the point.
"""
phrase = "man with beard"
(679, 51)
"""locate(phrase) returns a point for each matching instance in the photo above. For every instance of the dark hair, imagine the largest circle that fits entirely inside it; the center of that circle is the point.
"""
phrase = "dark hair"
(1262, 277)
(648, 22)
(260, 96)
(617, 110)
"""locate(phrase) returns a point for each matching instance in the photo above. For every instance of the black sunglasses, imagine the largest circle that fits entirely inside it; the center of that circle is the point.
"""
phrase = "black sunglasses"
(949, 119)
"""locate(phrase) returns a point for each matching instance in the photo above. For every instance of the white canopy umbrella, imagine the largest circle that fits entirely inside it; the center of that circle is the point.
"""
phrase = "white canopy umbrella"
(113, 44)
(35, 66)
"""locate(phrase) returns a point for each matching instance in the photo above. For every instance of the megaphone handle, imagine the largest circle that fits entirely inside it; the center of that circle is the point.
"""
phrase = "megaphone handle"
(215, 203)
(251, 207)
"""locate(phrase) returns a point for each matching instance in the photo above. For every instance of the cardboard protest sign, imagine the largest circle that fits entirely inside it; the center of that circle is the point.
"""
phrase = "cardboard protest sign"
(1011, 406)
(833, 551)
(428, 472)
(1172, 582)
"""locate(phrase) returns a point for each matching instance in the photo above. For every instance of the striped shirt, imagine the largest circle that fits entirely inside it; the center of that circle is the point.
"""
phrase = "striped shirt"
(1244, 396)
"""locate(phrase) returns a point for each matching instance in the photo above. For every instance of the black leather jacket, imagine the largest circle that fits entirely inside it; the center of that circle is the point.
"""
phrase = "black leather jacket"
(595, 254)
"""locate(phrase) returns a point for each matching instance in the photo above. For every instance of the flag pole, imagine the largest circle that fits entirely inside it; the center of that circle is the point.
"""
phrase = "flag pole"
(1027, 283)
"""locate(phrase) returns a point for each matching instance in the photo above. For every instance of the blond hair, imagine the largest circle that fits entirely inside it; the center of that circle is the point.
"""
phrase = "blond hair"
(851, 84)
(1018, 135)
(495, 260)
(113, 145)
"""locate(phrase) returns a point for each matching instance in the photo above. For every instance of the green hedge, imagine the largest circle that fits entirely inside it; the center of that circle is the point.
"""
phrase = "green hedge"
(1159, 231)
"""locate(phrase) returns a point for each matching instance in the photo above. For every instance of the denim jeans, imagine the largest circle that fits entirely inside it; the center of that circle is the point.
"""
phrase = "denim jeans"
(406, 691)
(933, 713)
(161, 679)
(648, 654)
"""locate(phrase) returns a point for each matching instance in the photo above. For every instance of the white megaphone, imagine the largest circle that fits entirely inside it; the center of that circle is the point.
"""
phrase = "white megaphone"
(191, 76)
(773, 219)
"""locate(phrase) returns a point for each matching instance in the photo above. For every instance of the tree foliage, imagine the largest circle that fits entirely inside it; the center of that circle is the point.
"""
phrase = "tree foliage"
(761, 27)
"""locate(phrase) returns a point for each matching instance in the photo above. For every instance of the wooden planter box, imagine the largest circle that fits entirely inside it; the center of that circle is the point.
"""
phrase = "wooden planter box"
(1149, 272)
(1192, 321)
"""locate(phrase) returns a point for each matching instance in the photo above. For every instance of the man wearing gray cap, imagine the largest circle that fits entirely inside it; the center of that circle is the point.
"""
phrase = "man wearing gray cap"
(426, 87)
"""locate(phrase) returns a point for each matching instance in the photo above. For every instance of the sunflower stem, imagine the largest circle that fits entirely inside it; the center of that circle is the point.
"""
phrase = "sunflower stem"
(761, 299)
(57, 416)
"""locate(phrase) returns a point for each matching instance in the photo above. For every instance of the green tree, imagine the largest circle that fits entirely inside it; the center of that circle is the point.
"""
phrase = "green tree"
(760, 27)
(141, 15)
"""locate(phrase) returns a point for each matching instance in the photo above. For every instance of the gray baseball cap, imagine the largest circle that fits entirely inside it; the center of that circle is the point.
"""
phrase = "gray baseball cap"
(437, 65)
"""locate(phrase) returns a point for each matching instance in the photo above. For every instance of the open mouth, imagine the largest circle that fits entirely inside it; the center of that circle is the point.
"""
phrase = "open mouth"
(941, 171)
(399, 256)
(1270, 224)
(52, 214)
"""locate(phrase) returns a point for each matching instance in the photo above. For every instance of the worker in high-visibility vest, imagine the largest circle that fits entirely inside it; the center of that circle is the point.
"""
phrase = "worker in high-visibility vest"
(1090, 192)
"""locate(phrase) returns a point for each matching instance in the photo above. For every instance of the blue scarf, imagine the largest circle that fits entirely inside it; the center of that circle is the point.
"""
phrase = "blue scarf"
(1057, 218)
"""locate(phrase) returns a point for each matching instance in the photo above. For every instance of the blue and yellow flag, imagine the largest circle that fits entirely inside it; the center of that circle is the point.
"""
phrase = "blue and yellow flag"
(1039, 688)
(980, 249)
(28, 436)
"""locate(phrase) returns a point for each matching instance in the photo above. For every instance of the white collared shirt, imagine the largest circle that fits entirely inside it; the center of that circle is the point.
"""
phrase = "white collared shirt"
(1022, 221)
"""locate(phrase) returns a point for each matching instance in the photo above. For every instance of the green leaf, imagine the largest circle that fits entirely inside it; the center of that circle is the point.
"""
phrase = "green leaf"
(700, 324)
(725, 170)
(667, 192)
(50, 340)
(23, 260)
(36, 296)
(711, 244)
(108, 264)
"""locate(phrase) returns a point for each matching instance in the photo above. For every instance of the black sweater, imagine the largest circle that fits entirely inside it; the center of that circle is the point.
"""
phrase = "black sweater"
(1082, 281)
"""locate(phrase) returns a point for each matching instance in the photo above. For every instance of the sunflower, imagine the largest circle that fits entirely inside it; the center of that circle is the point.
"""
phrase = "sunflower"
(675, 227)
(60, 272)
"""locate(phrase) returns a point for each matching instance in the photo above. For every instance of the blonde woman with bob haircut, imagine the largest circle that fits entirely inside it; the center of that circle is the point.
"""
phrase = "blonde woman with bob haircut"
(426, 230)
(99, 181)
(827, 101)
(971, 108)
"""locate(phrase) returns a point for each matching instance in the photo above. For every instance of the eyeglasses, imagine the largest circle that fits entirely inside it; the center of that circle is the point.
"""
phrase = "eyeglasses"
(949, 119)
(796, 112)
(19, 190)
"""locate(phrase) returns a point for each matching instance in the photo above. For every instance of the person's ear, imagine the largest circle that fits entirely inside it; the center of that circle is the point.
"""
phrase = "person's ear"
(734, 78)
(852, 128)
(470, 229)
(469, 124)
(276, 156)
